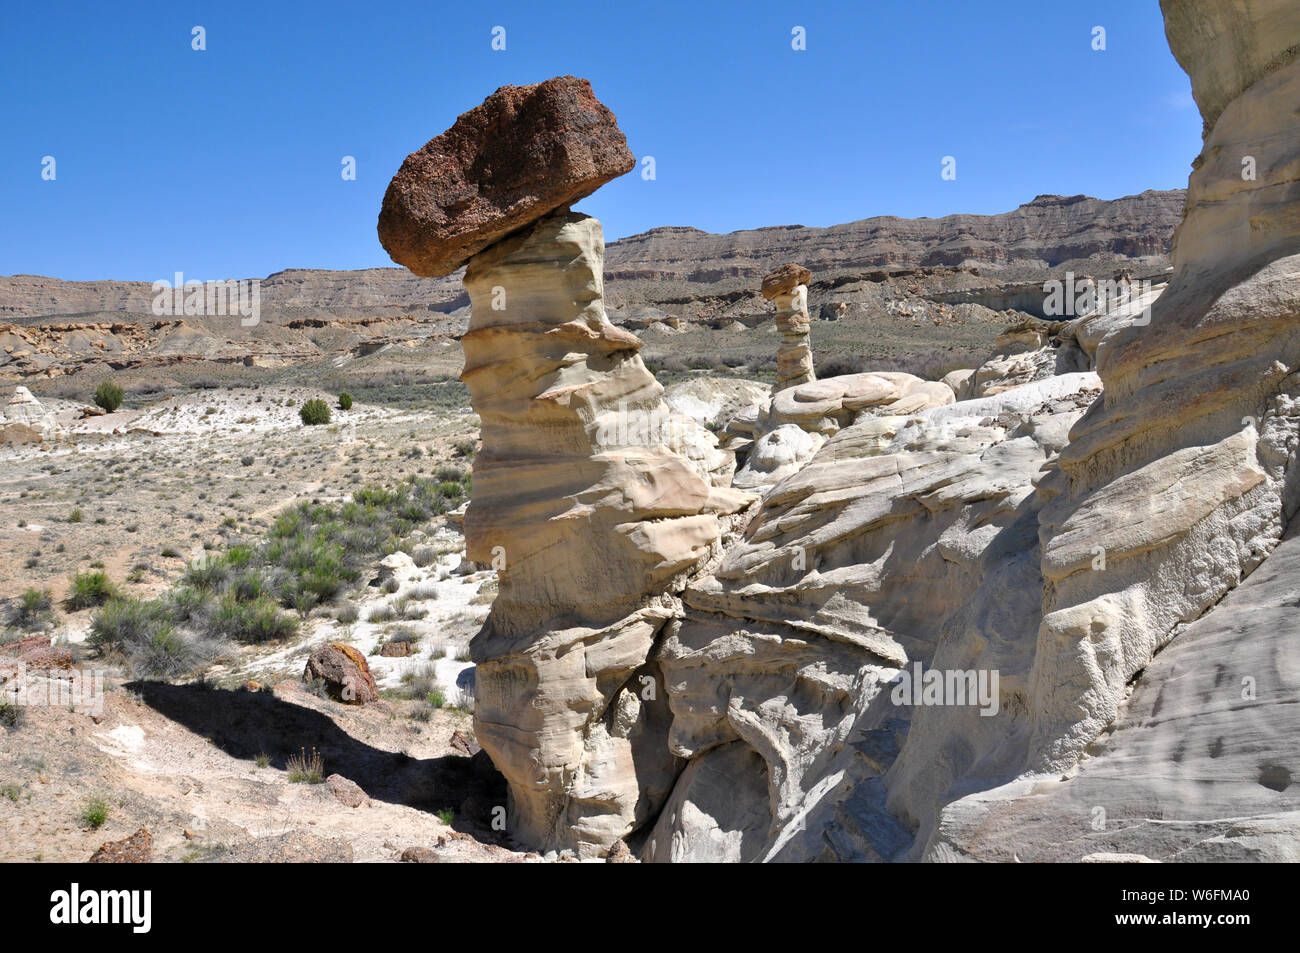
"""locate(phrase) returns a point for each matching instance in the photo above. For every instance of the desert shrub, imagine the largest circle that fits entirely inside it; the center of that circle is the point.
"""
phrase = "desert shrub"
(345, 401)
(348, 614)
(108, 395)
(465, 446)
(11, 715)
(247, 461)
(314, 412)
(252, 622)
(420, 683)
(90, 589)
(94, 812)
(76, 516)
(404, 634)
(147, 638)
(837, 365)
(33, 604)
(306, 768)
(424, 556)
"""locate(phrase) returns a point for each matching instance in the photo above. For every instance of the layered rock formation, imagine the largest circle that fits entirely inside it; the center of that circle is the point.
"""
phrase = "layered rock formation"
(593, 500)
(1056, 535)
(787, 288)
(1108, 488)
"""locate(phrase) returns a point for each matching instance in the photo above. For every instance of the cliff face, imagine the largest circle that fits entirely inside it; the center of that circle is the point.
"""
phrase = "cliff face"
(1045, 232)
(1048, 231)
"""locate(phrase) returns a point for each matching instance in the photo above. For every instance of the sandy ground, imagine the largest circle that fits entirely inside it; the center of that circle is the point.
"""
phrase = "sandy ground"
(204, 766)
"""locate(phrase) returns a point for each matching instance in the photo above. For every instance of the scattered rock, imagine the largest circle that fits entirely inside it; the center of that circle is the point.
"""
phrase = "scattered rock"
(420, 855)
(620, 854)
(348, 792)
(464, 742)
(136, 849)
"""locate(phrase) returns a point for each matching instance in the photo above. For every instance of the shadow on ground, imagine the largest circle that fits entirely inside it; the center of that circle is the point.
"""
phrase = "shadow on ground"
(245, 724)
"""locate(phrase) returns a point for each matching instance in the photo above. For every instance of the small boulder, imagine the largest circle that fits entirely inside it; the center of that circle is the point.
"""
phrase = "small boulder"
(346, 791)
(136, 849)
(420, 855)
(345, 673)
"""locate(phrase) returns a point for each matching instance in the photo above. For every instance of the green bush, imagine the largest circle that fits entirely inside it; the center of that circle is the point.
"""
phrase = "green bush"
(94, 812)
(90, 589)
(32, 605)
(146, 636)
(314, 412)
(108, 395)
(252, 622)
(345, 401)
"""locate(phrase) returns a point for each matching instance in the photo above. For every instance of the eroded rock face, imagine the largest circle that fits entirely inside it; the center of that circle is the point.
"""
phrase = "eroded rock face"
(524, 152)
(847, 574)
(596, 503)
(1173, 488)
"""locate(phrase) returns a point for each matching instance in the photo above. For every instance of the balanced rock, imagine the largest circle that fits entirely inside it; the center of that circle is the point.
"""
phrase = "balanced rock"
(784, 280)
(594, 501)
(524, 152)
(787, 288)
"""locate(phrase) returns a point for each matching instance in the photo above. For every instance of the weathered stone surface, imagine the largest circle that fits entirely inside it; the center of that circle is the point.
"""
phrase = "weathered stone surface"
(346, 791)
(1199, 764)
(344, 671)
(136, 849)
(849, 572)
(1172, 489)
(784, 280)
(597, 503)
(524, 152)
(776, 455)
(714, 401)
(828, 405)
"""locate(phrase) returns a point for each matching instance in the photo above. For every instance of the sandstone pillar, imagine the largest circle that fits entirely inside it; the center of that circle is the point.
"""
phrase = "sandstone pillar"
(787, 288)
(594, 503)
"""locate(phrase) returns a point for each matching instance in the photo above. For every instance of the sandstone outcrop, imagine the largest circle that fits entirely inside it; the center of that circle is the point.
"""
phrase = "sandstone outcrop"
(524, 152)
(1173, 488)
(845, 576)
(595, 502)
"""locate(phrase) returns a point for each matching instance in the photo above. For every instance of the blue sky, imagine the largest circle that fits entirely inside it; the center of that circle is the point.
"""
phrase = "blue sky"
(226, 163)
